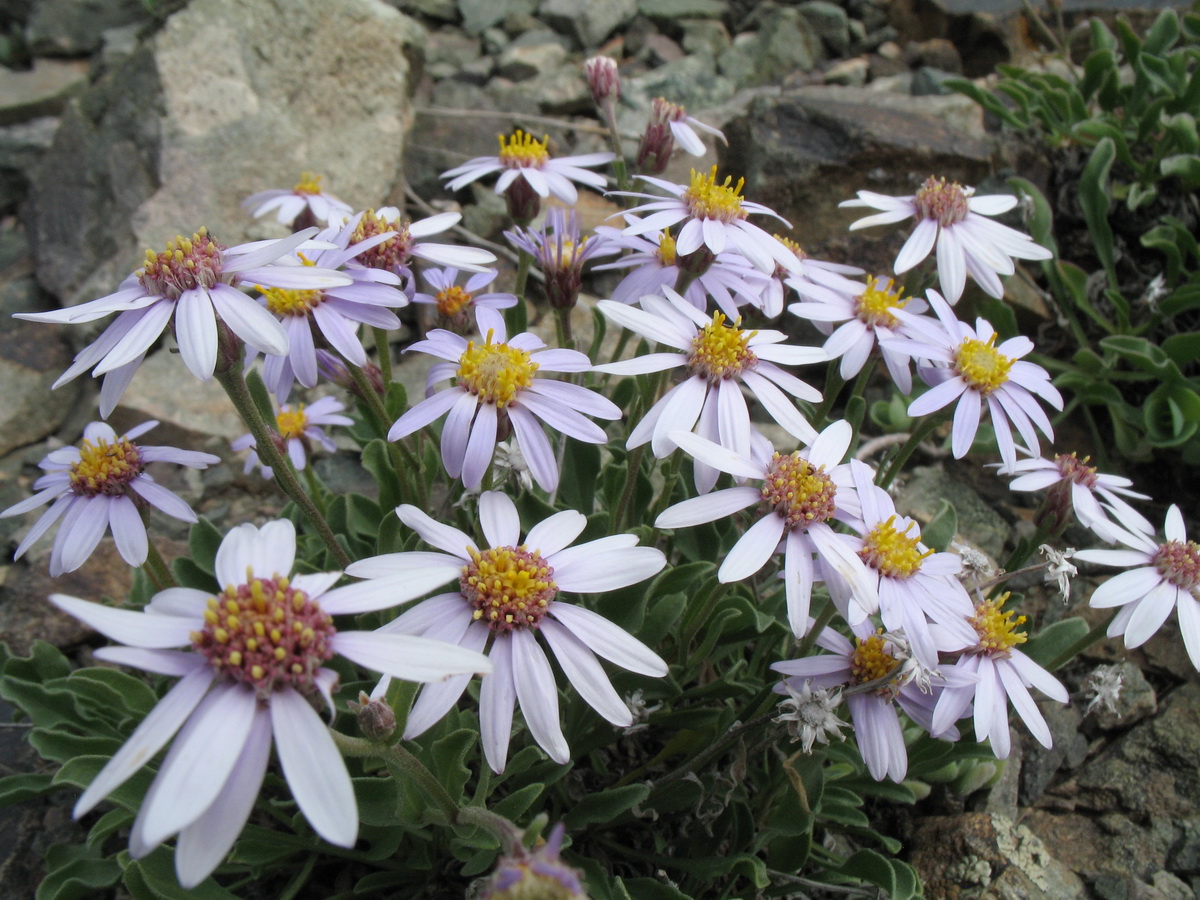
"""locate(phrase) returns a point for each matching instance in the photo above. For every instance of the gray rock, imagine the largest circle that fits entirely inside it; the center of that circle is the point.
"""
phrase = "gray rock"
(672, 10)
(1042, 764)
(478, 15)
(691, 82)
(1136, 700)
(587, 21)
(707, 37)
(928, 81)
(978, 523)
(439, 10)
(151, 150)
(849, 72)
(660, 50)
(204, 407)
(784, 43)
(541, 53)
(76, 27)
(41, 91)
(449, 49)
(21, 148)
(831, 24)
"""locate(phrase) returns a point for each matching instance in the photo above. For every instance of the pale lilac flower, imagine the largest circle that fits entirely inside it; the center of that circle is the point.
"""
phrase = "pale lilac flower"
(868, 318)
(811, 279)
(797, 496)
(876, 678)
(333, 315)
(454, 302)
(560, 253)
(654, 265)
(524, 157)
(1071, 484)
(537, 873)
(1002, 673)
(714, 217)
(950, 216)
(101, 485)
(971, 369)
(407, 243)
(916, 585)
(249, 682)
(194, 283)
(300, 427)
(508, 593)
(496, 389)
(1166, 577)
(670, 125)
(718, 359)
(305, 198)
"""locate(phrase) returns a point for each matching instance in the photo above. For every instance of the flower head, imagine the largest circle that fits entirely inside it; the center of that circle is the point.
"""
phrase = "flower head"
(507, 594)
(100, 485)
(950, 216)
(300, 427)
(305, 201)
(496, 389)
(454, 302)
(537, 874)
(560, 253)
(809, 713)
(669, 124)
(406, 243)
(253, 669)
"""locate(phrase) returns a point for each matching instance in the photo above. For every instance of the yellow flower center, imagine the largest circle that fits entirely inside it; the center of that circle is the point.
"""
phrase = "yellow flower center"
(1179, 563)
(393, 252)
(874, 305)
(495, 372)
(721, 351)
(309, 183)
(523, 151)
(292, 422)
(871, 660)
(266, 634)
(996, 629)
(799, 491)
(894, 553)
(706, 199)
(452, 301)
(945, 202)
(794, 246)
(666, 250)
(1076, 470)
(981, 365)
(508, 587)
(187, 263)
(105, 468)
(290, 302)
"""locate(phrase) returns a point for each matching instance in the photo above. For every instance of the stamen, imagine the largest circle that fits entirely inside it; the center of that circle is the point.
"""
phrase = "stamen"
(392, 253)
(105, 468)
(523, 151)
(495, 372)
(871, 660)
(1179, 563)
(666, 249)
(706, 199)
(947, 203)
(292, 422)
(1076, 470)
(799, 491)
(184, 265)
(290, 302)
(874, 305)
(981, 365)
(996, 629)
(894, 553)
(721, 351)
(508, 587)
(452, 301)
(309, 183)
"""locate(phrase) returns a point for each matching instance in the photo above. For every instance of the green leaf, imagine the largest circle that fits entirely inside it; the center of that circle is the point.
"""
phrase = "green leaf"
(1184, 166)
(1094, 199)
(942, 527)
(605, 806)
(1049, 643)
(1172, 414)
(1142, 354)
(203, 541)
(157, 873)
(19, 788)
(122, 690)
(1162, 34)
(516, 804)
(376, 459)
(396, 401)
(190, 575)
(76, 873)
(580, 475)
(872, 867)
(261, 397)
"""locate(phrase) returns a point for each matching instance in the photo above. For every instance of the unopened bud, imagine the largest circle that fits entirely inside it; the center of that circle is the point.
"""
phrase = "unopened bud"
(524, 203)
(376, 720)
(603, 80)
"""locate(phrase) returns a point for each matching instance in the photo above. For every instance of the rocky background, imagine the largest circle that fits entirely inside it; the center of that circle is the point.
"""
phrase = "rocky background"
(124, 122)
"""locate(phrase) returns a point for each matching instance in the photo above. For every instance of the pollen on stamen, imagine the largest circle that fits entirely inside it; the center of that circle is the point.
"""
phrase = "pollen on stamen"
(706, 199)
(894, 553)
(495, 373)
(981, 365)
(666, 250)
(803, 494)
(871, 660)
(997, 628)
(1076, 470)
(290, 302)
(874, 305)
(523, 151)
(187, 263)
(945, 202)
(452, 301)
(1179, 563)
(292, 422)
(105, 468)
(509, 588)
(392, 253)
(721, 351)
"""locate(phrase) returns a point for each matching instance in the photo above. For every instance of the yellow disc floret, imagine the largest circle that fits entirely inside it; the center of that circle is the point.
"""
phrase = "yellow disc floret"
(452, 300)
(871, 660)
(996, 629)
(292, 422)
(508, 587)
(105, 468)
(289, 302)
(666, 249)
(495, 372)
(981, 365)
(874, 305)
(706, 199)
(523, 151)
(799, 491)
(721, 351)
(895, 554)
(309, 183)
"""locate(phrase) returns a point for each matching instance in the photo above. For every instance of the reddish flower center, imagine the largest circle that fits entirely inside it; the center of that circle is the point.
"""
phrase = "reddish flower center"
(945, 202)
(1179, 563)
(508, 587)
(266, 634)
(105, 468)
(185, 264)
(799, 491)
(392, 253)
(1076, 470)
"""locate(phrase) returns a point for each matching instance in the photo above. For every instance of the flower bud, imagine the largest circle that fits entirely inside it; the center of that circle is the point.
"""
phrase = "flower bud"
(603, 80)
(376, 720)
(537, 874)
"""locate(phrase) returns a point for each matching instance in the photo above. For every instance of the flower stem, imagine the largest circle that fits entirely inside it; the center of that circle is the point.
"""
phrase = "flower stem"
(369, 394)
(634, 462)
(384, 353)
(922, 431)
(824, 617)
(234, 383)
(562, 329)
(831, 388)
(156, 568)
(517, 317)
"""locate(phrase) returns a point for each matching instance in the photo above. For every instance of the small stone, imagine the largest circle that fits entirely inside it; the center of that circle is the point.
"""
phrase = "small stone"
(587, 21)
(672, 10)
(707, 37)
(851, 72)
(930, 82)
(439, 10)
(660, 49)
(76, 27)
(41, 91)
(478, 15)
(1135, 700)
(522, 62)
(831, 24)
(1068, 750)
(783, 43)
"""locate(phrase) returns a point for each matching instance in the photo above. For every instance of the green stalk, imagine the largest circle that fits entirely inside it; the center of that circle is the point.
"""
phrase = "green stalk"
(234, 383)
(156, 568)
(922, 431)
(517, 317)
(634, 463)
(383, 351)
(832, 387)
(370, 396)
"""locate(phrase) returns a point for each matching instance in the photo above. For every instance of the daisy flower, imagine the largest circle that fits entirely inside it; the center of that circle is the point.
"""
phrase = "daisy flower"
(950, 216)
(810, 278)
(1071, 484)
(1002, 673)
(300, 428)
(332, 315)
(868, 317)
(255, 669)
(560, 253)
(916, 585)
(973, 370)
(496, 389)
(718, 359)
(396, 254)
(102, 485)
(1166, 577)
(454, 301)
(670, 125)
(305, 199)
(525, 166)
(653, 265)
(194, 283)
(713, 216)
(508, 593)
(797, 496)
(878, 674)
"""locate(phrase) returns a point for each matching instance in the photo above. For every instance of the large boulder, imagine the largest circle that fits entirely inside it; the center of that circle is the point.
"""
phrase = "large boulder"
(226, 99)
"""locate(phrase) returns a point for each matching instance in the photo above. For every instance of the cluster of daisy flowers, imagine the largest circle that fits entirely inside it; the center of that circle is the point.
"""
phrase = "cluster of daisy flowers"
(903, 629)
